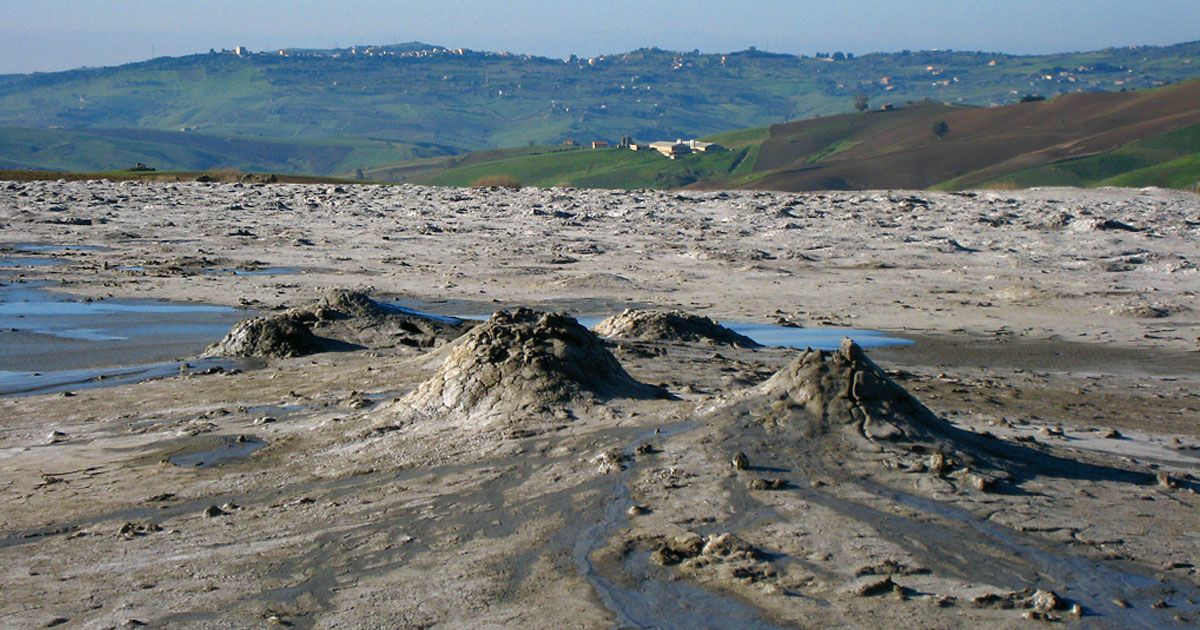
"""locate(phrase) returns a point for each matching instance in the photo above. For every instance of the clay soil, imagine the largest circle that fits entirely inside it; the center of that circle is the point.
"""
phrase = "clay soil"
(1057, 325)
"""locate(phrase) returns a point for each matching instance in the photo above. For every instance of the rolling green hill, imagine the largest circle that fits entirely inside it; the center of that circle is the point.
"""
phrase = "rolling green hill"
(111, 149)
(1149, 137)
(431, 101)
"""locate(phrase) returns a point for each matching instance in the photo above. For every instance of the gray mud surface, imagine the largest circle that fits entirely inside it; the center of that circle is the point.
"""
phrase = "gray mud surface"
(1032, 457)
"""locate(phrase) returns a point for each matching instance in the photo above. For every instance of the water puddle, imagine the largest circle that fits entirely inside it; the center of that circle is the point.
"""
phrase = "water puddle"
(216, 450)
(815, 338)
(51, 342)
(17, 262)
(53, 247)
(19, 383)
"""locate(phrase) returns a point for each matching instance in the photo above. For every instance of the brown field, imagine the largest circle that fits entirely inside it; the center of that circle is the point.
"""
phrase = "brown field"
(982, 143)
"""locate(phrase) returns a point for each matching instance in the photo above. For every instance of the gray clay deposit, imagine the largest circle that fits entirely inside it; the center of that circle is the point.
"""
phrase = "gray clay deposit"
(1010, 440)
(669, 326)
(341, 320)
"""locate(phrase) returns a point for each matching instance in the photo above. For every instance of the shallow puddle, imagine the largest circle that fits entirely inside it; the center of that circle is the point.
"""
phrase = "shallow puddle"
(55, 342)
(216, 450)
(815, 338)
(44, 247)
(17, 262)
(23, 383)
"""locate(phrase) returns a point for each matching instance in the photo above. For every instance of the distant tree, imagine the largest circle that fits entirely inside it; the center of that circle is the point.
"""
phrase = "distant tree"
(839, 56)
(940, 129)
(861, 102)
(359, 174)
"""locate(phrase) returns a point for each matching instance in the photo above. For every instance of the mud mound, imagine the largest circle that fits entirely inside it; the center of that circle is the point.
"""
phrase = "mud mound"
(353, 317)
(524, 362)
(669, 326)
(348, 303)
(279, 336)
(845, 389)
(840, 407)
(341, 320)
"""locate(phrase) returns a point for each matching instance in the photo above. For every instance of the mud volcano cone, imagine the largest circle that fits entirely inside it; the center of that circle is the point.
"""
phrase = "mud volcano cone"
(840, 403)
(522, 363)
(639, 325)
(840, 408)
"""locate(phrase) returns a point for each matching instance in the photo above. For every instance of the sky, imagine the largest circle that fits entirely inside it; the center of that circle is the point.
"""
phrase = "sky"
(41, 36)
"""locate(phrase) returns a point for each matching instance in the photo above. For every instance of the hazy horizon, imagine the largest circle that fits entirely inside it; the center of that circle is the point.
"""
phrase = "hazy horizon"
(72, 34)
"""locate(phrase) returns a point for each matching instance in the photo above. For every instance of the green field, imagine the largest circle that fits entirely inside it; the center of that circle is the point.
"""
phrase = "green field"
(112, 149)
(597, 168)
(1170, 160)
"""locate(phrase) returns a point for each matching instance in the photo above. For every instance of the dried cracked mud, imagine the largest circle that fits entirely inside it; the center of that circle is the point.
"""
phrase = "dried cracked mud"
(1031, 458)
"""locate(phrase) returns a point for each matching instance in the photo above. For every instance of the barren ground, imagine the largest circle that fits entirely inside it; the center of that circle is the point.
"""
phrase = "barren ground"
(1045, 318)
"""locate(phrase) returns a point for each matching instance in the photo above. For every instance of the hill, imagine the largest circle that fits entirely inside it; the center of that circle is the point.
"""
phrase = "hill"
(592, 168)
(436, 100)
(1149, 137)
(980, 146)
(110, 149)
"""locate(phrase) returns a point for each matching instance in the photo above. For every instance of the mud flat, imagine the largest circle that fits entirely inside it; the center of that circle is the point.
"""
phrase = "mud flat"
(1029, 457)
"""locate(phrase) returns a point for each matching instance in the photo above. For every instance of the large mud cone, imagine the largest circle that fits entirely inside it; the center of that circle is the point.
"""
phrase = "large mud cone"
(841, 399)
(846, 389)
(639, 325)
(341, 320)
(840, 409)
(519, 364)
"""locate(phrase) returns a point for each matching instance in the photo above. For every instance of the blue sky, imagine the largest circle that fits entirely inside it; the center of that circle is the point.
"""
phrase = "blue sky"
(61, 34)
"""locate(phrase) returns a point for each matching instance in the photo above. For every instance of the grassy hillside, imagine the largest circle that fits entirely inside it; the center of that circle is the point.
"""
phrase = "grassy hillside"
(458, 101)
(587, 168)
(599, 168)
(1170, 160)
(224, 175)
(111, 149)
(1150, 137)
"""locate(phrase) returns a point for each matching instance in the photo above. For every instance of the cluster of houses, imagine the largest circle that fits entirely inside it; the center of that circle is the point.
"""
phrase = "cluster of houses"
(373, 51)
(670, 149)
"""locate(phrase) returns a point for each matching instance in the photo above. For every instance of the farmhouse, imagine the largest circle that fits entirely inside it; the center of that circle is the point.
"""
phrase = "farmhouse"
(680, 148)
(670, 149)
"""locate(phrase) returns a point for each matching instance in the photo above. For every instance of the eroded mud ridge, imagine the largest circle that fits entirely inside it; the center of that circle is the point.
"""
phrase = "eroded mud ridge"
(341, 320)
(1032, 458)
